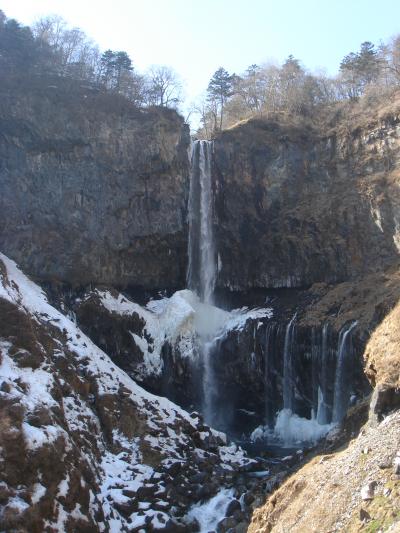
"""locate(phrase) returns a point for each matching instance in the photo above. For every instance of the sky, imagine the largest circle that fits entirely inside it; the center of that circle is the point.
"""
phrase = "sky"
(196, 37)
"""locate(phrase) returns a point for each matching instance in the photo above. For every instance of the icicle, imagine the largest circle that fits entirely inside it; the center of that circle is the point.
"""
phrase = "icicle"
(209, 388)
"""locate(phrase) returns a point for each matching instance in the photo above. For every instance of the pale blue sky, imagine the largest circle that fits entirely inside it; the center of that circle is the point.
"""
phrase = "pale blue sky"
(195, 37)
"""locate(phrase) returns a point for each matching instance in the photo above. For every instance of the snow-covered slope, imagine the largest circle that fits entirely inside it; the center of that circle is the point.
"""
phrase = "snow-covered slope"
(82, 446)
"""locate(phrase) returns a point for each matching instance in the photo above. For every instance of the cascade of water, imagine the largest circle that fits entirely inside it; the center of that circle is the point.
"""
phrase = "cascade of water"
(202, 264)
(208, 264)
(209, 387)
(201, 273)
(322, 411)
(315, 361)
(341, 392)
(267, 372)
(194, 222)
(288, 380)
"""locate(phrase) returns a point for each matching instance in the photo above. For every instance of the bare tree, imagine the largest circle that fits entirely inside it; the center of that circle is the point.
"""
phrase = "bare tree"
(73, 52)
(164, 87)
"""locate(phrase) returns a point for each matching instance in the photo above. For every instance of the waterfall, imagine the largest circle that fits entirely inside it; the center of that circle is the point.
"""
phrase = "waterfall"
(315, 383)
(201, 274)
(209, 386)
(272, 349)
(341, 391)
(267, 372)
(322, 411)
(288, 381)
(201, 261)
(309, 391)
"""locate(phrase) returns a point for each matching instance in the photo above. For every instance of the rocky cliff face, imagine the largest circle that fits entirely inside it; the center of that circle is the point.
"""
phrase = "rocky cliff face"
(93, 190)
(294, 208)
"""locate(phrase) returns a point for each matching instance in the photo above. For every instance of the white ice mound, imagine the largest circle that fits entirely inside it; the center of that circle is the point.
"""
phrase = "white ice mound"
(182, 320)
(291, 429)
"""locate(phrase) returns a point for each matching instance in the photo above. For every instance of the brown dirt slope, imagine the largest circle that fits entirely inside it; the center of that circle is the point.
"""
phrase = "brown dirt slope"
(325, 495)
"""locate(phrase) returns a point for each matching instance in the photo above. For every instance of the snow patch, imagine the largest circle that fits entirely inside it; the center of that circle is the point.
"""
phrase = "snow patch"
(38, 437)
(37, 493)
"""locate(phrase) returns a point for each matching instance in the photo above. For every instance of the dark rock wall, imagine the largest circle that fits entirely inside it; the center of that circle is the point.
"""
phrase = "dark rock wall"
(293, 208)
(93, 190)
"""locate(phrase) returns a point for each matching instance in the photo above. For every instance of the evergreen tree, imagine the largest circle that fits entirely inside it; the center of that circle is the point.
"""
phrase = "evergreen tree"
(18, 50)
(113, 66)
(122, 64)
(219, 90)
(368, 63)
(107, 67)
(361, 69)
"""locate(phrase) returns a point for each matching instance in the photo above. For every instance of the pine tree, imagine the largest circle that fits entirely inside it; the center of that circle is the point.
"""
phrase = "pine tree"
(122, 64)
(219, 90)
(361, 69)
(113, 66)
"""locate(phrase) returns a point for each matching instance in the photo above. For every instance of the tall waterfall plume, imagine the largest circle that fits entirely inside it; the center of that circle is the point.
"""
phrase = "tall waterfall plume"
(202, 264)
(201, 273)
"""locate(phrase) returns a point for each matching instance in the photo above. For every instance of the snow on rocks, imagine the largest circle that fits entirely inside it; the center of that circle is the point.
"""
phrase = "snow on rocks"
(82, 446)
(181, 322)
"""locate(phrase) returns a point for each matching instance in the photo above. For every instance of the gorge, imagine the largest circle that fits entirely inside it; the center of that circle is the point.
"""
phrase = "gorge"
(176, 309)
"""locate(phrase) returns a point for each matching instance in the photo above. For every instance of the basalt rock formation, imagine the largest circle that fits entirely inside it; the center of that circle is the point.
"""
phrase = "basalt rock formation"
(295, 207)
(93, 190)
(356, 488)
(104, 199)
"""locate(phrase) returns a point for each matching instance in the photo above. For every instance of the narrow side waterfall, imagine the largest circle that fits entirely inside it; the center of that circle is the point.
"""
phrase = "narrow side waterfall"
(309, 376)
(267, 373)
(323, 406)
(341, 391)
(288, 375)
(201, 261)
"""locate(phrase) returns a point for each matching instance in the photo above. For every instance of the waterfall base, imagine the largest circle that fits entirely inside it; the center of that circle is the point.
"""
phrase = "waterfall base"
(291, 430)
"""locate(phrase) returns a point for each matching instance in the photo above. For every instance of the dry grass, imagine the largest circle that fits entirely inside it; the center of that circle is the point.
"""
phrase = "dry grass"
(382, 353)
(343, 118)
(325, 495)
